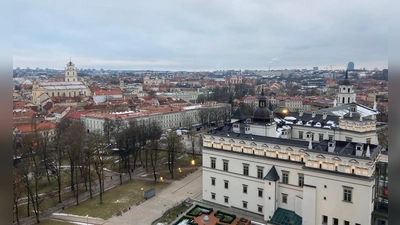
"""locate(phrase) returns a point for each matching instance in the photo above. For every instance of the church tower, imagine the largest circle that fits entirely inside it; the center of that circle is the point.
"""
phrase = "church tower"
(346, 93)
(70, 73)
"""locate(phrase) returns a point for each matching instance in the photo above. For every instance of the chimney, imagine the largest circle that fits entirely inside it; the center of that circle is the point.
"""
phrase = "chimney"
(368, 152)
(301, 111)
(331, 146)
(324, 115)
(313, 114)
(309, 144)
(359, 149)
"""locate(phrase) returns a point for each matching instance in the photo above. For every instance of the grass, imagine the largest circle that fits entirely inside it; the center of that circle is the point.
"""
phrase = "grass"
(45, 204)
(184, 164)
(115, 199)
(171, 216)
(54, 222)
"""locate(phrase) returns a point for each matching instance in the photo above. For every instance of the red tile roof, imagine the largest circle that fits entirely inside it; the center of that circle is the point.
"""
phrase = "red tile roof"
(28, 128)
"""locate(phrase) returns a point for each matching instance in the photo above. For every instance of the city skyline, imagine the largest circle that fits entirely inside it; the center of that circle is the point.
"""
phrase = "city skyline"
(192, 36)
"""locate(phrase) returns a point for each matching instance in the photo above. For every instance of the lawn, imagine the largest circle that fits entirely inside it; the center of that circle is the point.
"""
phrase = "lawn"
(45, 204)
(115, 199)
(171, 216)
(185, 165)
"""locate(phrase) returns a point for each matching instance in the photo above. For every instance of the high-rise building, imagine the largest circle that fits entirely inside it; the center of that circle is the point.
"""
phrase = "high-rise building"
(315, 68)
(350, 66)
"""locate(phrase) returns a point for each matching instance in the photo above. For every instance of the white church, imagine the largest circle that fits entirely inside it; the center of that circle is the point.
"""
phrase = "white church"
(70, 87)
(297, 168)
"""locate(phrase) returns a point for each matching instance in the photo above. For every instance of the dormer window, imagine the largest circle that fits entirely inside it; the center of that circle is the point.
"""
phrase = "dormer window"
(358, 147)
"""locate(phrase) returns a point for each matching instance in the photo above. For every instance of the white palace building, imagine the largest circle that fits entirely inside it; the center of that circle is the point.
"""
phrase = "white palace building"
(326, 176)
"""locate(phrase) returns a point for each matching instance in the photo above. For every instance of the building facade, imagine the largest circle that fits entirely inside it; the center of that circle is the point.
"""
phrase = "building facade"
(71, 87)
(254, 165)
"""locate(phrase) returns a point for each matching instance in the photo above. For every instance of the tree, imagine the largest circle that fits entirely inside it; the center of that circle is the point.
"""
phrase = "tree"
(18, 188)
(32, 170)
(99, 161)
(174, 145)
(74, 138)
(58, 155)
(154, 137)
(383, 137)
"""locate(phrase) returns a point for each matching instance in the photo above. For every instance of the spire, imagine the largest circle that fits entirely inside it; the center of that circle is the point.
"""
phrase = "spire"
(262, 90)
(368, 152)
(375, 104)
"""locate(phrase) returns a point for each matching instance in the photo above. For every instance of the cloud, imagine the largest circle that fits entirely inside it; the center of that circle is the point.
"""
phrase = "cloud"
(188, 35)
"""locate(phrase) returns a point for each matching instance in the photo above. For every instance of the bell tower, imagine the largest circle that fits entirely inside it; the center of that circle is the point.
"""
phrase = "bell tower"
(346, 93)
(70, 73)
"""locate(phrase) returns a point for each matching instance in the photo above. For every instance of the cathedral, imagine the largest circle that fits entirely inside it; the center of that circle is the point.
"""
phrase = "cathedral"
(70, 87)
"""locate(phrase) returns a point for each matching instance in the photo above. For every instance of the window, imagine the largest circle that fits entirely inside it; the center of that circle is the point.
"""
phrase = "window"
(368, 140)
(346, 222)
(330, 137)
(301, 180)
(246, 169)
(347, 191)
(226, 184)
(260, 172)
(213, 196)
(349, 139)
(285, 177)
(245, 189)
(244, 205)
(213, 181)
(324, 219)
(260, 208)
(213, 163)
(225, 165)
(360, 224)
(321, 137)
(260, 192)
(226, 199)
(284, 198)
(335, 221)
(300, 134)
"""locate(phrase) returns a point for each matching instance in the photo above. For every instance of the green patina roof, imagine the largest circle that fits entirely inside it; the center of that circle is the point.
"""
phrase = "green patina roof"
(286, 217)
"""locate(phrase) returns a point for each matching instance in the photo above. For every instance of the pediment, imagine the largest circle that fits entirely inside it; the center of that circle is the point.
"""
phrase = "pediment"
(232, 140)
(336, 159)
(221, 139)
(289, 149)
(264, 145)
(253, 144)
(212, 138)
(320, 156)
(353, 161)
(242, 142)
(277, 147)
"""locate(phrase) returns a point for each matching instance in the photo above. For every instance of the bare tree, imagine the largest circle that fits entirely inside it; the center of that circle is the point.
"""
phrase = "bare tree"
(154, 137)
(99, 161)
(174, 146)
(74, 138)
(17, 193)
(383, 137)
(32, 171)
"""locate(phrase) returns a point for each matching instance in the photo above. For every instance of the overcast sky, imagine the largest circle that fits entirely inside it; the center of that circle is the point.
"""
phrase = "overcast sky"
(201, 35)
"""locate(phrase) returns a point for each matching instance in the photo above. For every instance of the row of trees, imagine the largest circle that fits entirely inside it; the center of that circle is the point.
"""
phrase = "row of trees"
(81, 156)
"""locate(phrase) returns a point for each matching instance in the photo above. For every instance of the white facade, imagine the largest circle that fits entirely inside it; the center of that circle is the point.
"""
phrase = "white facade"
(326, 177)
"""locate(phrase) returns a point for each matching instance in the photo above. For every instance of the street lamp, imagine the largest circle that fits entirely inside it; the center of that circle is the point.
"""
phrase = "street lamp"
(193, 162)
(87, 219)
